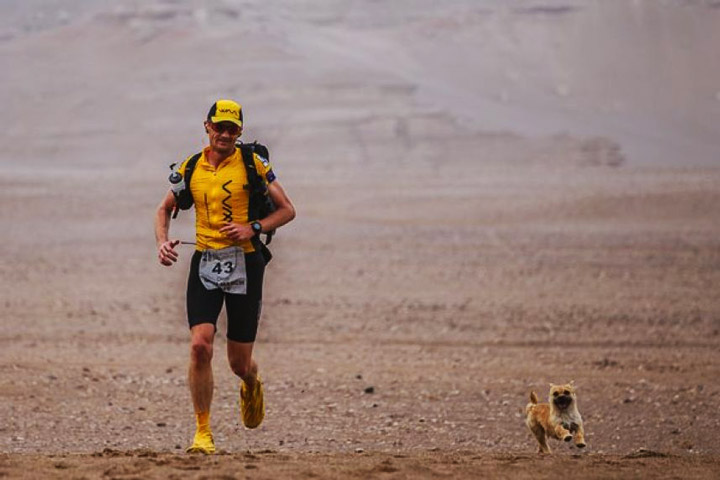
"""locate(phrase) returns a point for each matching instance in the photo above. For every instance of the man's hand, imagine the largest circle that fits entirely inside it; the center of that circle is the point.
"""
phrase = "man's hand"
(237, 233)
(166, 252)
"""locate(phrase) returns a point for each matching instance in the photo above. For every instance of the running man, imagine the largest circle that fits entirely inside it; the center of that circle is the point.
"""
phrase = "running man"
(228, 263)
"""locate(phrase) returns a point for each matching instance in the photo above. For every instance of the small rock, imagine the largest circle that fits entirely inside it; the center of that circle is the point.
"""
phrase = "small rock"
(359, 450)
(370, 389)
(161, 424)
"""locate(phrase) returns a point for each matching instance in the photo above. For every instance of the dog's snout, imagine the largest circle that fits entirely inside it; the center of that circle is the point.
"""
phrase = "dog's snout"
(562, 401)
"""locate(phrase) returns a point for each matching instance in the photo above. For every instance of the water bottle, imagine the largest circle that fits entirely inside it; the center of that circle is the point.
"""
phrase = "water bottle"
(177, 183)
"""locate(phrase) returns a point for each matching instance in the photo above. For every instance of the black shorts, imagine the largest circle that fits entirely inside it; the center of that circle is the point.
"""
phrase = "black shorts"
(243, 311)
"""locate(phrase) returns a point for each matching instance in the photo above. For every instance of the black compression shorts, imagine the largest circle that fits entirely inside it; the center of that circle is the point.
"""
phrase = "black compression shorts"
(243, 311)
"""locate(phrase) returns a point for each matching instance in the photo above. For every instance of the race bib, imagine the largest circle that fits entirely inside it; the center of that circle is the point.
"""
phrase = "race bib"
(224, 269)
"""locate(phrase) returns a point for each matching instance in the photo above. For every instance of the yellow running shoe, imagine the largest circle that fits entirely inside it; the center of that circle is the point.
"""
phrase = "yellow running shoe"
(252, 404)
(203, 443)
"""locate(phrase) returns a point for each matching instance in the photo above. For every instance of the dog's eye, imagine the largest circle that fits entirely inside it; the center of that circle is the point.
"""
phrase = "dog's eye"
(566, 392)
(555, 394)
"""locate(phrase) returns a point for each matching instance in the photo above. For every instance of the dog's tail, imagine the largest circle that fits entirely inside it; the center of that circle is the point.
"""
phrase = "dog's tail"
(533, 402)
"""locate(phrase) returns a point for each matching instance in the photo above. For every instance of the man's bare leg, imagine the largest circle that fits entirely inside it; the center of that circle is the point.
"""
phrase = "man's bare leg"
(252, 403)
(200, 380)
(241, 361)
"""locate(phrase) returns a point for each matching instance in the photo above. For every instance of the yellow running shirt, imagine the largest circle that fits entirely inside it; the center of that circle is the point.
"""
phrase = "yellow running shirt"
(220, 198)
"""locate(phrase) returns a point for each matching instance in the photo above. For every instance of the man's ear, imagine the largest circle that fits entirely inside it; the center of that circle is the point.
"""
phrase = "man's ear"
(206, 127)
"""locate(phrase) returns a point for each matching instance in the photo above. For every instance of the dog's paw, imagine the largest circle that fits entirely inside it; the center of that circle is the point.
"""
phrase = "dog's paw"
(580, 445)
(568, 437)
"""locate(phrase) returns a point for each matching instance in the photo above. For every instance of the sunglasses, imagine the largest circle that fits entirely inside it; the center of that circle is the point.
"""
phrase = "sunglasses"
(229, 127)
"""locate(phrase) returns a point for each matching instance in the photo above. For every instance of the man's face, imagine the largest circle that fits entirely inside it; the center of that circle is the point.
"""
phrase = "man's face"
(222, 136)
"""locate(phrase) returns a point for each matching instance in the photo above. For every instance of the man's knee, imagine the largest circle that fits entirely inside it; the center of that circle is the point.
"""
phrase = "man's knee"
(240, 367)
(201, 351)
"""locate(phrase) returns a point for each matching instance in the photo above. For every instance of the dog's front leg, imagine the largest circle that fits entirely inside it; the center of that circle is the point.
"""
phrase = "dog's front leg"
(580, 436)
(562, 433)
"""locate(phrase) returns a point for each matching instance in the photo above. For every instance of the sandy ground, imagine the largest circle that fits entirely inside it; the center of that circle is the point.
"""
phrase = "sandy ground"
(481, 212)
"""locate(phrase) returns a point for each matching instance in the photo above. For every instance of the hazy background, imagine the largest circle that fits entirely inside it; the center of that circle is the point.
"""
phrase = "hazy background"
(645, 74)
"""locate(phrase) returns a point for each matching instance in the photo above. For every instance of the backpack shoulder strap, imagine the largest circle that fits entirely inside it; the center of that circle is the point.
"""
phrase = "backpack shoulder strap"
(190, 168)
(247, 151)
(257, 191)
(255, 186)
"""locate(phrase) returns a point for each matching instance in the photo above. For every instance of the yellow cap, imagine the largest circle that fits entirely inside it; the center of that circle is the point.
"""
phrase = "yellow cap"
(226, 111)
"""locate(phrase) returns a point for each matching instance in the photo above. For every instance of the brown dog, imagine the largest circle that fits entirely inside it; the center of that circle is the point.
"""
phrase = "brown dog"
(559, 418)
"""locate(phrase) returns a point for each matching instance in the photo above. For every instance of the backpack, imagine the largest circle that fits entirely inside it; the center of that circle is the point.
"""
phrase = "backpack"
(260, 204)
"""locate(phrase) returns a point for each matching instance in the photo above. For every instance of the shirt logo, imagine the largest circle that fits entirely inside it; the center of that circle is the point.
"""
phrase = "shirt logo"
(227, 209)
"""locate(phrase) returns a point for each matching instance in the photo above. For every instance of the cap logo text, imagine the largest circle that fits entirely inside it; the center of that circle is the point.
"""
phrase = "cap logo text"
(231, 111)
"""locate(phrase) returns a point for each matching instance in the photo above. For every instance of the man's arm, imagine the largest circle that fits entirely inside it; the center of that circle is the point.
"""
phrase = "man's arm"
(166, 248)
(284, 208)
